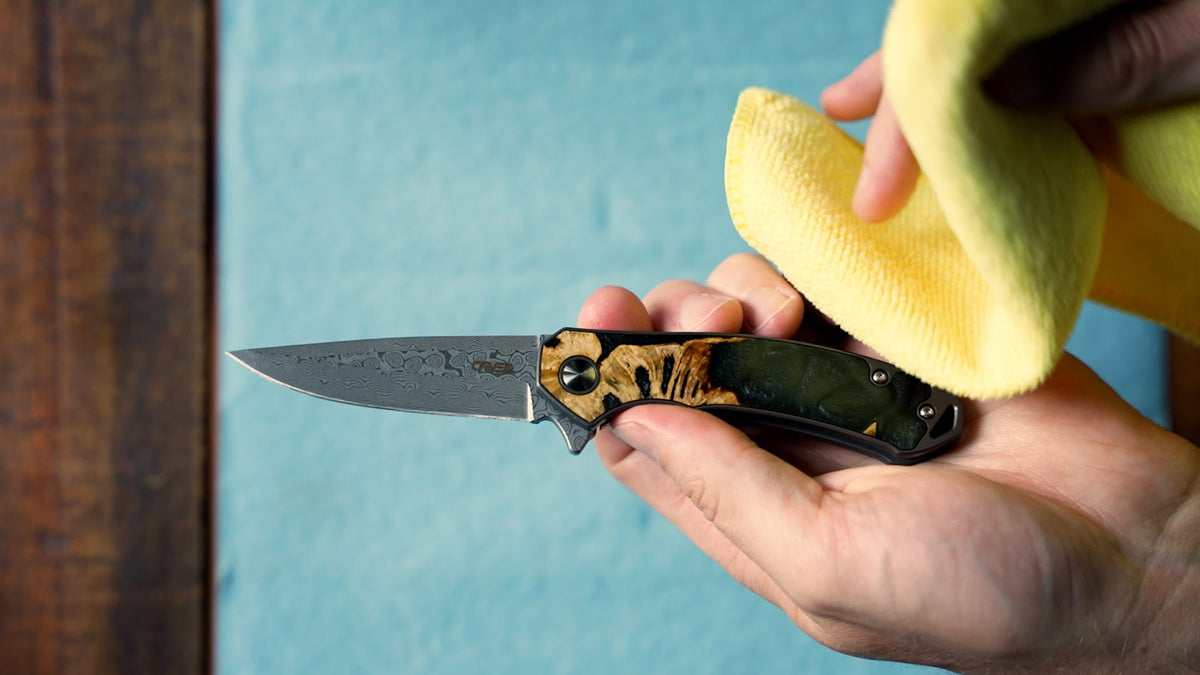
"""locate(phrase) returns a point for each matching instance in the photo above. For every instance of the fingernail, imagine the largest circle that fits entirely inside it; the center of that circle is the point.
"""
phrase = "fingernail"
(773, 300)
(636, 436)
(696, 310)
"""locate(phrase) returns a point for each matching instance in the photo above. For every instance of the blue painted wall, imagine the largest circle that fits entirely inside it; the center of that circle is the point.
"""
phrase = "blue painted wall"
(394, 168)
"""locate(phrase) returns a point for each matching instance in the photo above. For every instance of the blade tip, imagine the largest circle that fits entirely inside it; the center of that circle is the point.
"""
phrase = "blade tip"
(241, 356)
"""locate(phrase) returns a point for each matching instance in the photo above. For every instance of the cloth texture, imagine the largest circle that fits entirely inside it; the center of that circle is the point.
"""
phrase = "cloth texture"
(976, 283)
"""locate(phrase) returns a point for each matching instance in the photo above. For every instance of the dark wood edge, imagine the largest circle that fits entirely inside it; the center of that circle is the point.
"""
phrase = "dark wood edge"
(1184, 379)
(106, 386)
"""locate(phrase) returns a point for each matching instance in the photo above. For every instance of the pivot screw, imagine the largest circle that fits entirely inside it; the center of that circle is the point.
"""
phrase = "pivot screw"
(926, 412)
(579, 375)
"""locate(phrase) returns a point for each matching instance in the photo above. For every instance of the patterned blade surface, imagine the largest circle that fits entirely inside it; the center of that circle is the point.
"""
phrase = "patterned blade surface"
(472, 376)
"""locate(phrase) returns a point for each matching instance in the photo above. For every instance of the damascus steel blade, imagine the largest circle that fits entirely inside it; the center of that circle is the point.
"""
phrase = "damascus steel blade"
(490, 377)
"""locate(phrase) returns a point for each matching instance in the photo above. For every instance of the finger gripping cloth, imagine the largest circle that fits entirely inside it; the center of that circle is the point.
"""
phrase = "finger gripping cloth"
(976, 283)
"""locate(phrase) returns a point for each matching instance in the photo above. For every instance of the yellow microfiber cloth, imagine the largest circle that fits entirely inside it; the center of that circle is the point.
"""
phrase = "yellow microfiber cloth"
(976, 283)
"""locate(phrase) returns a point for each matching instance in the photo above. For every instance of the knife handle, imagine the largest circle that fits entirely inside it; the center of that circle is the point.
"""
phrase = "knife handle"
(852, 400)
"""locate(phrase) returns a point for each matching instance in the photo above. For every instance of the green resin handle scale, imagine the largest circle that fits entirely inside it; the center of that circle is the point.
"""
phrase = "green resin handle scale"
(852, 400)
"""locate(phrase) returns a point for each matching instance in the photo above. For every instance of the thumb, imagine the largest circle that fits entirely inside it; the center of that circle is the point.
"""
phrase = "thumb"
(1121, 60)
(767, 508)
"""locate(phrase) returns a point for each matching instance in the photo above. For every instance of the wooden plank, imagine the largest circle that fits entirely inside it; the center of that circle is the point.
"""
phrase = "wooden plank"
(1185, 388)
(105, 290)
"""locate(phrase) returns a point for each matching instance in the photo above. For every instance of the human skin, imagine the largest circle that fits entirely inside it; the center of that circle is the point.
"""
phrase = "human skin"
(1138, 56)
(1062, 534)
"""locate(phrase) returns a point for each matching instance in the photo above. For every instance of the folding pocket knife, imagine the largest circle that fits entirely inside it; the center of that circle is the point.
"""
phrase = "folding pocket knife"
(580, 378)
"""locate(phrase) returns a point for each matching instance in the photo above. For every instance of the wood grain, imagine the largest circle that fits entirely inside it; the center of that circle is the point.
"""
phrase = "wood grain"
(684, 381)
(1185, 388)
(105, 385)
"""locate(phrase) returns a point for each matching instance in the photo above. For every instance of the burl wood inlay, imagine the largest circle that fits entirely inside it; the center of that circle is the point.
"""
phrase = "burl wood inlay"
(667, 371)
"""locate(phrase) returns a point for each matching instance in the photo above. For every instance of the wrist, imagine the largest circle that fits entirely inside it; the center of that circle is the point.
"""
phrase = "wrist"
(1159, 629)
(1170, 591)
(1149, 618)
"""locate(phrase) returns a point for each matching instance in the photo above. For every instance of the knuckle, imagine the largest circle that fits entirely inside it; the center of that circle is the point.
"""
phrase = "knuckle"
(1135, 55)
(828, 604)
(745, 258)
(733, 267)
(697, 490)
(668, 287)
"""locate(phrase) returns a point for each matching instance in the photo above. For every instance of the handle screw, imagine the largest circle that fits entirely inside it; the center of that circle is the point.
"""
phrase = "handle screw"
(880, 377)
(926, 412)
